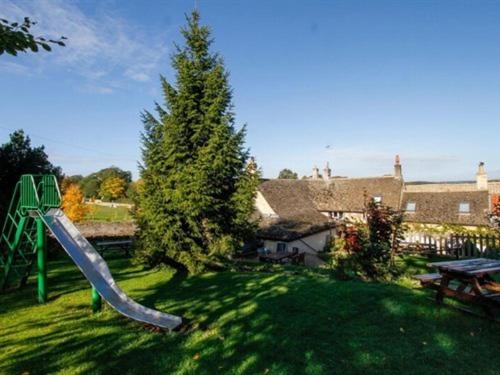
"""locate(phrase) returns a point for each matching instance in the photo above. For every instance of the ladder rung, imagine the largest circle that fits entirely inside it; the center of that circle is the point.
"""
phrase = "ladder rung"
(13, 220)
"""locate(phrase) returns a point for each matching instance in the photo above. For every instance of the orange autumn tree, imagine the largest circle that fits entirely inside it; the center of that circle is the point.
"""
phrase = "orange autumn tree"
(73, 205)
(112, 188)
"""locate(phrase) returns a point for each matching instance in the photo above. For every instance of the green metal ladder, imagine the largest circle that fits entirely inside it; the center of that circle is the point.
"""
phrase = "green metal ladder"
(23, 234)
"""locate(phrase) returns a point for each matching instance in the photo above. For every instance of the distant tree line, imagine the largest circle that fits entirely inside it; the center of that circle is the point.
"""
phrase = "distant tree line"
(109, 184)
(288, 174)
(18, 157)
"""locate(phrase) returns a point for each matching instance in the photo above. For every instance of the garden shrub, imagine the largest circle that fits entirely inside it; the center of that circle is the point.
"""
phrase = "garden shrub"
(367, 249)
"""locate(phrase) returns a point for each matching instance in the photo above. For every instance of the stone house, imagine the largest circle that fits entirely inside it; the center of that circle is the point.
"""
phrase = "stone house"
(303, 214)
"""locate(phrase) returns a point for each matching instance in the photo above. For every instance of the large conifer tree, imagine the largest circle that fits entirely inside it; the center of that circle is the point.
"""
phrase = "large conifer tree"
(197, 195)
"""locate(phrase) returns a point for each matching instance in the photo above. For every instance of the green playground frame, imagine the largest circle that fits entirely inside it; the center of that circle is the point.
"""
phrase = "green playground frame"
(23, 237)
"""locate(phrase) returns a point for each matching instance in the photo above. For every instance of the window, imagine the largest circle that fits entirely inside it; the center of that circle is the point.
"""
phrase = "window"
(411, 206)
(281, 247)
(377, 199)
(337, 215)
(464, 208)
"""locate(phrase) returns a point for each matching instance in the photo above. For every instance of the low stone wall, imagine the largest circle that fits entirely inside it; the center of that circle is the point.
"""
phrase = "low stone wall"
(103, 229)
(97, 231)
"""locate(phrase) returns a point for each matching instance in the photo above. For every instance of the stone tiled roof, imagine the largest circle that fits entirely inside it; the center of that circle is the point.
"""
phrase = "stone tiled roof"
(298, 202)
(349, 194)
(442, 207)
(297, 215)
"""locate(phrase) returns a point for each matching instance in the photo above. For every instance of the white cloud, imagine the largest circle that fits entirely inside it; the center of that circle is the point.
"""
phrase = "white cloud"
(14, 68)
(103, 48)
(138, 76)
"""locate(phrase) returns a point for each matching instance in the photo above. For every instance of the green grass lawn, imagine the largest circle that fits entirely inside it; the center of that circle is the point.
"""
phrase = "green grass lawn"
(104, 213)
(250, 322)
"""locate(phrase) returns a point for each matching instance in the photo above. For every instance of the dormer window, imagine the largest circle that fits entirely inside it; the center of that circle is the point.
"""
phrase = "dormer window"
(377, 199)
(411, 207)
(464, 208)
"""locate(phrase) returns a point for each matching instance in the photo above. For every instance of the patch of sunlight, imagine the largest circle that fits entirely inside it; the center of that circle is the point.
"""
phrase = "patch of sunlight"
(132, 344)
(210, 333)
(370, 359)
(278, 289)
(312, 366)
(407, 282)
(259, 337)
(269, 279)
(445, 343)
(247, 363)
(248, 307)
(393, 307)
(82, 368)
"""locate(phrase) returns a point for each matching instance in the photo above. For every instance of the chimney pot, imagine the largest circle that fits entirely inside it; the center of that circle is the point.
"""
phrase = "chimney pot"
(327, 172)
(398, 170)
(481, 177)
(315, 174)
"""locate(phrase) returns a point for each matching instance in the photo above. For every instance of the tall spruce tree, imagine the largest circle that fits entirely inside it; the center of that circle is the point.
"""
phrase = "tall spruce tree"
(194, 206)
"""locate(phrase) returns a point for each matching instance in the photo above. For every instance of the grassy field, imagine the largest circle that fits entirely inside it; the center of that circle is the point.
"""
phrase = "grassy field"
(276, 323)
(103, 213)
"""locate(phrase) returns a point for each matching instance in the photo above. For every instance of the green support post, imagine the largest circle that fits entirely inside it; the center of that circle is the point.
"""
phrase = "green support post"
(96, 300)
(41, 245)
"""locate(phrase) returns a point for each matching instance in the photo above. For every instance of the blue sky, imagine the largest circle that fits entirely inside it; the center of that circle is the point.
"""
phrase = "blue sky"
(349, 82)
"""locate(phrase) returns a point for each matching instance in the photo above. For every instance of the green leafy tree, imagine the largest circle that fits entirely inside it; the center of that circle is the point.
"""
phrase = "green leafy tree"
(18, 157)
(91, 184)
(113, 171)
(16, 37)
(288, 174)
(197, 190)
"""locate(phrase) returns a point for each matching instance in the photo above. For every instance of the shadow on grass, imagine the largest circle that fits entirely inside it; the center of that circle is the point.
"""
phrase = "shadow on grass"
(253, 323)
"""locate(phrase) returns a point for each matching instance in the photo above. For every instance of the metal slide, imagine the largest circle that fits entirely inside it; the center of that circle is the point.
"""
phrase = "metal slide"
(95, 269)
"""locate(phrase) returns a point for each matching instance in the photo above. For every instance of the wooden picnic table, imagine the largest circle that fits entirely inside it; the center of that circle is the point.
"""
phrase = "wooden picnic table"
(467, 280)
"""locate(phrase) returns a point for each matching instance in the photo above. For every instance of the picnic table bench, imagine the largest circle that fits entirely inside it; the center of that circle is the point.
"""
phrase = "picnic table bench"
(123, 245)
(466, 280)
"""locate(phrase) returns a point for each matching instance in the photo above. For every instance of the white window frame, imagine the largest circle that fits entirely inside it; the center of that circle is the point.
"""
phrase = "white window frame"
(414, 206)
(462, 206)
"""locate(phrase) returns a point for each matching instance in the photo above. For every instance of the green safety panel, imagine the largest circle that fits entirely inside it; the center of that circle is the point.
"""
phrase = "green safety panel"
(33, 195)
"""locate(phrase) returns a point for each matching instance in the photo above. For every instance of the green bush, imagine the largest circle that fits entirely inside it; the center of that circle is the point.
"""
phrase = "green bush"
(367, 250)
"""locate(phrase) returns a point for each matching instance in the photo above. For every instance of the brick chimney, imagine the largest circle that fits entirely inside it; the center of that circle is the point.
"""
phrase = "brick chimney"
(398, 172)
(327, 172)
(481, 178)
(315, 175)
